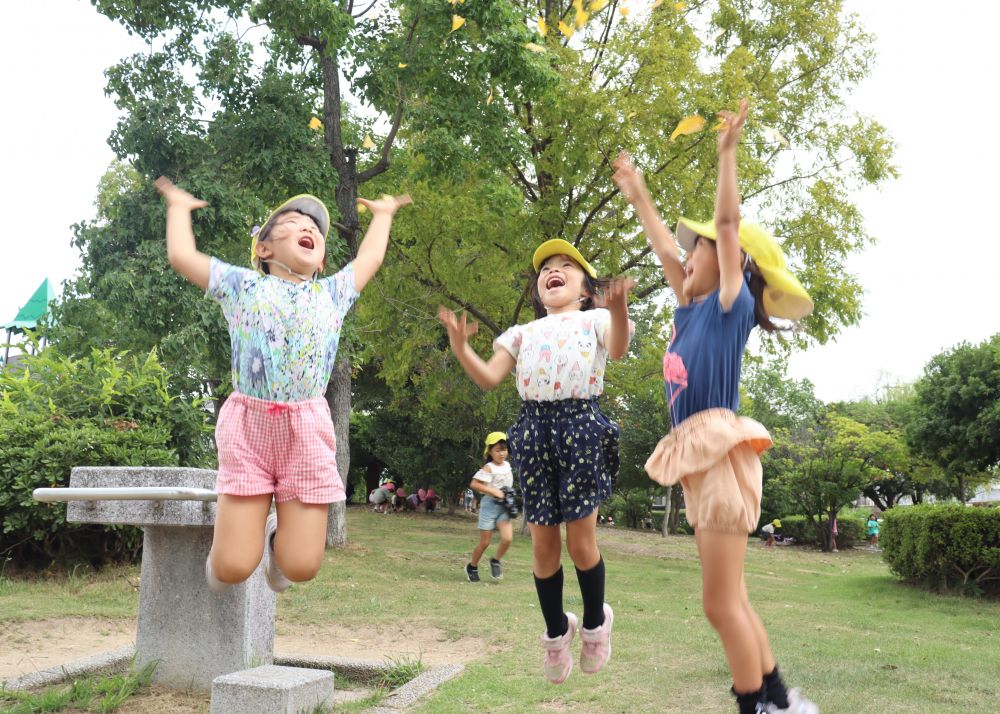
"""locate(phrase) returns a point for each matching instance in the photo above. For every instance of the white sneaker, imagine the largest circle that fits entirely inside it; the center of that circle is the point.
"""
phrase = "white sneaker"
(797, 704)
(558, 660)
(276, 580)
(214, 584)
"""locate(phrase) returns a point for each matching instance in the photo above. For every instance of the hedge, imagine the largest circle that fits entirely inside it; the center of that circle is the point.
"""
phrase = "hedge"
(850, 531)
(946, 547)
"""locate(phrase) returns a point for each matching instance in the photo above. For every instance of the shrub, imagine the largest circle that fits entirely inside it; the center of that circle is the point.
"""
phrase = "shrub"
(944, 547)
(851, 530)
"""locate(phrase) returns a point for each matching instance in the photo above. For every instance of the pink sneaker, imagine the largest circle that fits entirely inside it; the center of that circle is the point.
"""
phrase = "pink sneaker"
(797, 704)
(597, 643)
(558, 660)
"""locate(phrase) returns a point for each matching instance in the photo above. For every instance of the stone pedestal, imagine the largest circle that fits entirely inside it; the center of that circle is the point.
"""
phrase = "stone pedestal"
(193, 634)
(272, 690)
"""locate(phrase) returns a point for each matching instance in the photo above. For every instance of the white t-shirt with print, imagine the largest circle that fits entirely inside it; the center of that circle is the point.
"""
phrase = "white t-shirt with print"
(496, 476)
(560, 356)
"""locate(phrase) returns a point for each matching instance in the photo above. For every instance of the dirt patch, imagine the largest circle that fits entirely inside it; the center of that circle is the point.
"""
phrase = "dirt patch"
(33, 645)
(429, 644)
(159, 700)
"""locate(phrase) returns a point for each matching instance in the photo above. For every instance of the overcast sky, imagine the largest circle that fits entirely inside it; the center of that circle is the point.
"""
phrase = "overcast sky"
(929, 283)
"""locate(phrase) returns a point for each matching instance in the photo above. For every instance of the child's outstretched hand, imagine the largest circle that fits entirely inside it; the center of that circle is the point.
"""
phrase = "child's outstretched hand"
(616, 294)
(177, 197)
(732, 127)
(627, 177)
(387, 204)
(459, 331)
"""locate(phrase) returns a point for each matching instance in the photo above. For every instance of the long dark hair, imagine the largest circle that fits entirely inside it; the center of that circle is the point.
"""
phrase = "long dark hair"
(593, 286)
(756, 283)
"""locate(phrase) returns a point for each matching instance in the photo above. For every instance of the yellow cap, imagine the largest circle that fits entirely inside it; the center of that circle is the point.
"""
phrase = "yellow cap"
(492, 438)
(784, 295)
(303, 203)
(776, 523)
(557, 246)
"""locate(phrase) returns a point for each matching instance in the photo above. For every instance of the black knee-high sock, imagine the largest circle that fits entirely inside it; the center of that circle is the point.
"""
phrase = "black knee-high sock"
(751, 702)
(592, 591)
(776, 693)
(550, 592)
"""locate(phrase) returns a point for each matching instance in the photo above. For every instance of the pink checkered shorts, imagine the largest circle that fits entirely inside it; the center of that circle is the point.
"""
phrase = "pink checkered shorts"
(284, 448)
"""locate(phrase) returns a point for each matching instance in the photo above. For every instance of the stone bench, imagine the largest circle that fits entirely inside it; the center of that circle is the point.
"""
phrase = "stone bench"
(272, 690)
(192, 634)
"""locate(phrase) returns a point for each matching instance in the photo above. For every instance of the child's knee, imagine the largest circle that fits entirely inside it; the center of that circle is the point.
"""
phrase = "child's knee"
(585, 553)
(233, 568)
(720, 611)
(301, 566)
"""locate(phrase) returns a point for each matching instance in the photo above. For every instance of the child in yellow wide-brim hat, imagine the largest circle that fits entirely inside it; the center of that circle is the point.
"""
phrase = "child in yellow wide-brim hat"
(733, 278)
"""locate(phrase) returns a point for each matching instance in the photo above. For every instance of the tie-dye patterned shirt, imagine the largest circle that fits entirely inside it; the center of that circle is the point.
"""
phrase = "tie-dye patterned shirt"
(560, 356)
(284, 335)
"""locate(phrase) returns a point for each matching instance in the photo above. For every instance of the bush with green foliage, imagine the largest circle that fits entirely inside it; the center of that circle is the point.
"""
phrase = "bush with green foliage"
(946, 547)
(110, 409)
(850, 530)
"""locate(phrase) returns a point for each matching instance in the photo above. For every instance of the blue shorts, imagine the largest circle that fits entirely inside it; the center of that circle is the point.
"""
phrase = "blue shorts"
(491, 512)
(566, 453)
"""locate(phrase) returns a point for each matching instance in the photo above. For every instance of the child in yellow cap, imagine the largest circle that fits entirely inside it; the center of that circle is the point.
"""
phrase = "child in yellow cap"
(564, 448)
(732, 279)
(491, 480)
(274, 432)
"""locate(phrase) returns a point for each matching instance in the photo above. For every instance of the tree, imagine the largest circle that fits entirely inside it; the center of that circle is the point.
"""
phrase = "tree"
(956, 414)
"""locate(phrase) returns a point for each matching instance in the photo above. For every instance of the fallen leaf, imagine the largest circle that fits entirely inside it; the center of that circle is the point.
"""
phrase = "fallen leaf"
(632, 114)
(565, 29)
(368, 143)
(543, 27)
(688, 125)
(533, 47)
(315, 123)
(456, 22)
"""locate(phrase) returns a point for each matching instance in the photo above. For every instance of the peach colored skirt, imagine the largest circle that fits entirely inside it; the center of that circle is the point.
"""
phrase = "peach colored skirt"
(715, 455)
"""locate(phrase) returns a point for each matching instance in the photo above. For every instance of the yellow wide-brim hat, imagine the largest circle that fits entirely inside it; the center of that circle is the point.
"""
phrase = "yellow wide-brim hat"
(303, 203)
(492, 438)
(557, 246)
(784, 296)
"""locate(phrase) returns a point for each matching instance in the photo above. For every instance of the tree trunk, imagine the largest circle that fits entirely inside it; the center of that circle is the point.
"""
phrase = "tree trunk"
(675, 507)
(338, 396)
(667, 507)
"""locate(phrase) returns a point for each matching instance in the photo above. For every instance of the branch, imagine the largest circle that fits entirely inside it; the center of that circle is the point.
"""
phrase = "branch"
(793, 178)
(383, 162)
(365, 11)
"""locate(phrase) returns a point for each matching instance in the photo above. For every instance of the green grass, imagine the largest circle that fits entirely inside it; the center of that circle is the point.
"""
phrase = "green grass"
(89, 694)
(842, 628)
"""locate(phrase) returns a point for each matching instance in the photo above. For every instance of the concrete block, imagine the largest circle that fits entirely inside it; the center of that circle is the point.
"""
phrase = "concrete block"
(141, 513)
(272, 690)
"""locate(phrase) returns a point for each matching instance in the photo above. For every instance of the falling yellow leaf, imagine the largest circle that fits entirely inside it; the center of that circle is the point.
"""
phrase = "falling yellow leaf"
(457, 2)
(368, 143)
(775, 135)
(456, 22)
(720, 126)
(688, 125)
(362, 208)
(598, 5)
(581, 18)
(578, 4)
(680, 7)
(543, 27)
(657, 4)
(565, 29)
(623, 11)
(402, 65)
(533, 47)
(489, 97)
(315, 123)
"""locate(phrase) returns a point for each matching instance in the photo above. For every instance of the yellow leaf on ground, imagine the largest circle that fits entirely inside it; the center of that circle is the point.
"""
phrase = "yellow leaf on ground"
(565, 29)
(543, 27)
(581, 18)
(456, 22)
(533, 47)
(315, 123)
(688, 125)
(632, 114)
(368, 143)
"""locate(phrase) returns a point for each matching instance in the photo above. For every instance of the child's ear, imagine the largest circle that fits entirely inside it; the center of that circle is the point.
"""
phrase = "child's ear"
(263, 250)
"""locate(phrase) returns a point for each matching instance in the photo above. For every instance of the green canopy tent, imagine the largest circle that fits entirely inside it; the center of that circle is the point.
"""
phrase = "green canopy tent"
(28, 316)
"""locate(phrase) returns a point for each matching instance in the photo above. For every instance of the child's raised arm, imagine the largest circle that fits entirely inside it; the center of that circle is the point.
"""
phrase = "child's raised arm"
(486, 374)
(371, 252)
(634, 189)
(615, 299)
(727, 207)
(182, 252)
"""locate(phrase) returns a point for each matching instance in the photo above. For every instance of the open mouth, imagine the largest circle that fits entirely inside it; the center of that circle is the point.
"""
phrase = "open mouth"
(554, 281)
(307, 242)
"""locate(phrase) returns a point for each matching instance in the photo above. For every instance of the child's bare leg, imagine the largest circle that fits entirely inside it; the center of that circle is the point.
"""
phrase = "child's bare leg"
(300, 541)
(238, 539)
(484, 542)
(546, 550)
(581, 542)
(721, 557)
(766, 656)
(506, 531)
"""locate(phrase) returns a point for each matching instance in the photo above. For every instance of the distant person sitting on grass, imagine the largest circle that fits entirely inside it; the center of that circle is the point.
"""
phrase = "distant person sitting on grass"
(873, 531)
(381, 498)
